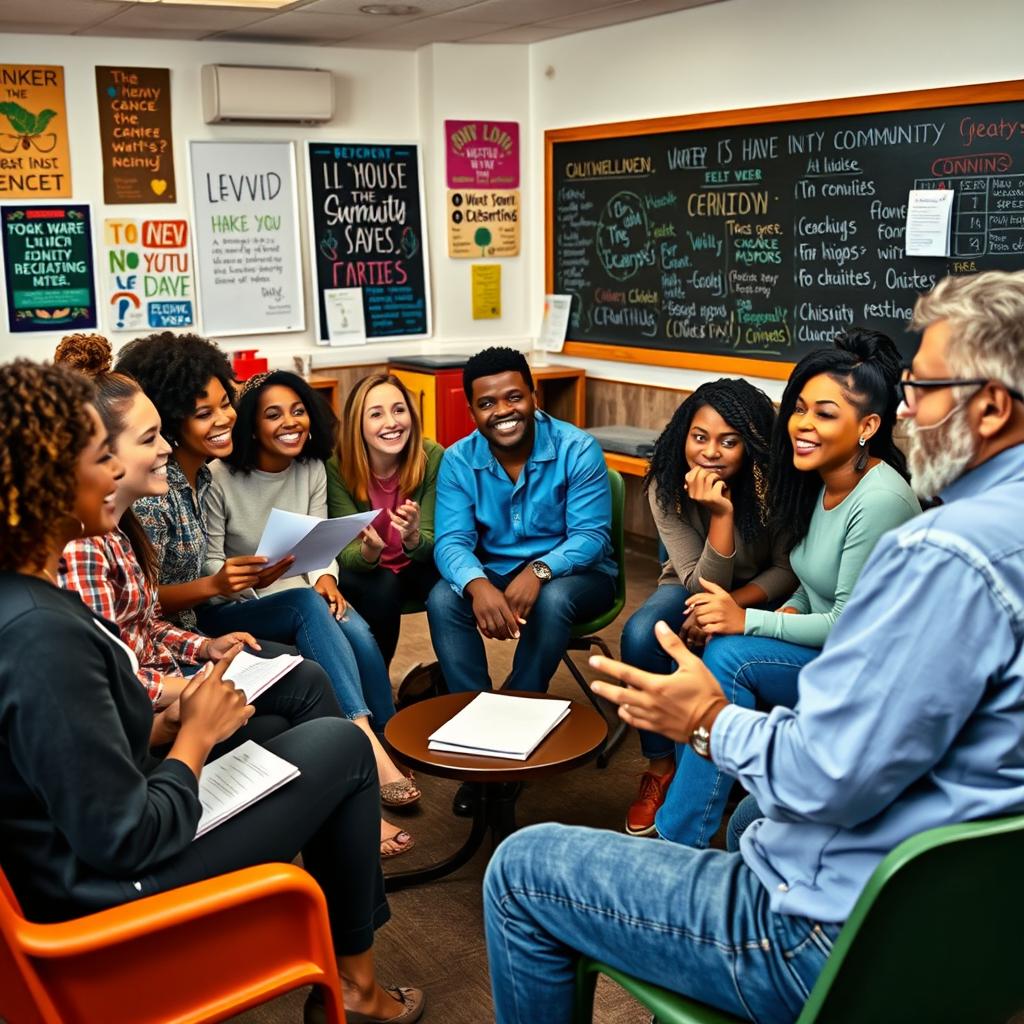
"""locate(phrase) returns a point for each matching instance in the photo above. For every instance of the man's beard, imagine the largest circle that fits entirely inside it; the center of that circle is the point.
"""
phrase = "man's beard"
(939, 454)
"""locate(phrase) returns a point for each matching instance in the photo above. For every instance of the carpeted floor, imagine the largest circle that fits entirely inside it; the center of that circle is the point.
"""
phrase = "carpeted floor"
(435, 938)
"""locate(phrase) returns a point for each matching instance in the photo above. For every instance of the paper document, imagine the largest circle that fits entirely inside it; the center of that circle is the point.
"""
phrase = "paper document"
(237, 780)
(254, 676)
(555, 323)
(929, 219)
(343, 309)
(499, 725)
(315, 543)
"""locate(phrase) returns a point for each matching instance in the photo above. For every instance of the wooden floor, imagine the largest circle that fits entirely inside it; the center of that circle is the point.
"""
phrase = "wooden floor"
(435, 937)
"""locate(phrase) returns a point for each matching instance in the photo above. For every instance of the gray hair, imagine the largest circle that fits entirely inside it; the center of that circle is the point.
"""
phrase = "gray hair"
(986, 318)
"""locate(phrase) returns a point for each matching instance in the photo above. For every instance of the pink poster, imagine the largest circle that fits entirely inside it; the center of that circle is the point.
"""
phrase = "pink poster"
(482, 154)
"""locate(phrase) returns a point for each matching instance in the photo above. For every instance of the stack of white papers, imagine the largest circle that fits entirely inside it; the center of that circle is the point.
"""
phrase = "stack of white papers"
(315, 543)
(497, 725)
(237, 780)
(254, 676)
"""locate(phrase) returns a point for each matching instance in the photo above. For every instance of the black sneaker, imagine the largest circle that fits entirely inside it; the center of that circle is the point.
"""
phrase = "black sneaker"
(466, 799)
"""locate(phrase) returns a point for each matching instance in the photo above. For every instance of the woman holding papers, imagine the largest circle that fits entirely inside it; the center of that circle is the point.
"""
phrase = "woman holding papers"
(384, 461)
(88, 818)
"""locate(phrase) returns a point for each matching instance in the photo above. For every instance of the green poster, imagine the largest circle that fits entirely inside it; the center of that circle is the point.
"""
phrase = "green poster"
(48, 267)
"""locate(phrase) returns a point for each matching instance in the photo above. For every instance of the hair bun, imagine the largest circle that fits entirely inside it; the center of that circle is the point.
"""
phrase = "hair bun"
(88, 353)
(872, 347)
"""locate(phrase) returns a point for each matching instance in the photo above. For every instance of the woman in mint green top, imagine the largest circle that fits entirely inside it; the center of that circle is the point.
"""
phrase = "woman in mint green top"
(384, 462)
(837, 483)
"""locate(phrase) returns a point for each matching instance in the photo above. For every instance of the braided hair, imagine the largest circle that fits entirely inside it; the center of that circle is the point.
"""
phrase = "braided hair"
(866, 365)
(749, 412)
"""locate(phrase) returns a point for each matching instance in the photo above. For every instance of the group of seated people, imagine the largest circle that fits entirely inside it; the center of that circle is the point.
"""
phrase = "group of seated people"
(854, 664)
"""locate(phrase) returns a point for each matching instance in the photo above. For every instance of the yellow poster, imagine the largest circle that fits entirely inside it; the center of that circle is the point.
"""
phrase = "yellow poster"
(35, 159)
(486, 291)
(483, 223)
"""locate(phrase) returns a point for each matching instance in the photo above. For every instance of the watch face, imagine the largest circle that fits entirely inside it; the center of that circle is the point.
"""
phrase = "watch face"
(541, 571)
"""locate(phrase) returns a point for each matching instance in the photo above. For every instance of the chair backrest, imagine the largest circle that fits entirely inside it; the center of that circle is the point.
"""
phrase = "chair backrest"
(934, 935)
(23, 999)
(618, 489)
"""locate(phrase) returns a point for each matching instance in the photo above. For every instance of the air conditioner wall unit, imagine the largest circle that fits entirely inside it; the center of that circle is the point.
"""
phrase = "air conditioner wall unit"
(237, 94)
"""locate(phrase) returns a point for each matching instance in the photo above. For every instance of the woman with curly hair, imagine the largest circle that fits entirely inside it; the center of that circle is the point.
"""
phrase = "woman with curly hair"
(89, 819)
(838, 482)
(707, 489)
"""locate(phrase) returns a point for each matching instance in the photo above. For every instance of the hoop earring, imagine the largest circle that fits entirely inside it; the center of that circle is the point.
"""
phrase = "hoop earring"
(862, 458)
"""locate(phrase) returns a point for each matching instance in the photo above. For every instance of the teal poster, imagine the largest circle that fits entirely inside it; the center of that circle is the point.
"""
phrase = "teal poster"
(48, 268)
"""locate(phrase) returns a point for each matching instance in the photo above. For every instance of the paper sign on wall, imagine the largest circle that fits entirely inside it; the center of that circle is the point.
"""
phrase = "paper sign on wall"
(555, 323)
(148, 272)
(48, 268)
(343, 308)
(486, 291)
(482, 154)
(135, 134)
(483, 223)
(35, 159)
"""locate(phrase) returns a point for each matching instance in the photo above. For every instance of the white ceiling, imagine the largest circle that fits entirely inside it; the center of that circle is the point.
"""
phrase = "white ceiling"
(333, 22)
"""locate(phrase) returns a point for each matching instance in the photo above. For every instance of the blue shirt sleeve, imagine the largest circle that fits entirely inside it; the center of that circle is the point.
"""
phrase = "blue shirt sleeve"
(878, 708)
(455, 537)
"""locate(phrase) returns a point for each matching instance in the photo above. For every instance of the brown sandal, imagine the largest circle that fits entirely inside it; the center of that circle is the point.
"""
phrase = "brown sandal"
(399, 793)
(411, 1000)
(386, 854)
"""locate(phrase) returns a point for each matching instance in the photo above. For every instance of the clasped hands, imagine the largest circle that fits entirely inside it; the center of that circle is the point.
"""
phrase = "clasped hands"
(672, 705)
(406, 521)
(499, 615)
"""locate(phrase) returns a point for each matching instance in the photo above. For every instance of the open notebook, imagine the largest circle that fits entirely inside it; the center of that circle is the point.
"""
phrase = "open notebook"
(499, 725)
(254, 676)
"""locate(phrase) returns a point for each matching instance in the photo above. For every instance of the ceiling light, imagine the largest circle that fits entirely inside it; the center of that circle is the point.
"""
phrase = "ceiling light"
(259, 5)
(391, 10)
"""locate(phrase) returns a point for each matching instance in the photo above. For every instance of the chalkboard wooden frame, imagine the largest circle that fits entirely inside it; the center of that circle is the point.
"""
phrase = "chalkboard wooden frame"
(918, 99)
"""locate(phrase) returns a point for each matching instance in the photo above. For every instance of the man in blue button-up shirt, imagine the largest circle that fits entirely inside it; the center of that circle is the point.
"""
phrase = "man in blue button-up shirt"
(909, 719)
(522, 532)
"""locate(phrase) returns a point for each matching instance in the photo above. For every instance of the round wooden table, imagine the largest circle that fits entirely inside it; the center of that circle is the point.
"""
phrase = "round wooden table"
(575, 740)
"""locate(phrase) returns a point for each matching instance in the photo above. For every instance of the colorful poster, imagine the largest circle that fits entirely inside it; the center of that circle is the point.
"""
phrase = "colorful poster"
(486, 291)
(35, 159)
(48, 267)
(367, 231)
(135, 135)
(483, 224)
(482, 154)
(148, 271)
(246, 224)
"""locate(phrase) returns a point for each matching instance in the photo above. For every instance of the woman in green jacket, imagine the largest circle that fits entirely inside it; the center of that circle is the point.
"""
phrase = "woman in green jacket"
(384, 461)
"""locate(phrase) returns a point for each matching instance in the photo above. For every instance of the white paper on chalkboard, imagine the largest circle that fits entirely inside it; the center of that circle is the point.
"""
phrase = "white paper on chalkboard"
(346, 324)
(248, 259)
(555, 323)
(929, 221)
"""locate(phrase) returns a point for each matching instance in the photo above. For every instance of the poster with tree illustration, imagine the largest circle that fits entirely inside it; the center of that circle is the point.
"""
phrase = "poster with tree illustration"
(35, 158)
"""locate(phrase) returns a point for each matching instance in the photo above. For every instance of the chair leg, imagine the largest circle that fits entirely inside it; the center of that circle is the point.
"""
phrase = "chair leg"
(616, 727)
(586, 983)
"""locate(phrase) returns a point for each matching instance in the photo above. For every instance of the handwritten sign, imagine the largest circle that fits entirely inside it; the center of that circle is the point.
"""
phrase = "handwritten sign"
(486, 278)
(247, 237)
(148, 268)
(48, 267)
(367, 231)
(135, 134)
(483, 223)
(35, 159)
(482, 154)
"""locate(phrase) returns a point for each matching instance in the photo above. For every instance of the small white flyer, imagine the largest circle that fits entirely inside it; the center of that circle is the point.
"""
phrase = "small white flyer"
(929, 220)
(555, 323)
(344, 312)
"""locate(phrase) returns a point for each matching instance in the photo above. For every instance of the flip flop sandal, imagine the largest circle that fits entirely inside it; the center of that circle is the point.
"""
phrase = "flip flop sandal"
(411, 999)
(399, 793)
(405, 847)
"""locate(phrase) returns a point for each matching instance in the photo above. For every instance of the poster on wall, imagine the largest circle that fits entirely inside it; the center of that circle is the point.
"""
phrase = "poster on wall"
(135, 135)
(367, 231)
(48, 268)
(246, 225)
(35, 158)
(482, 154)
(483, 223)
(148, 274)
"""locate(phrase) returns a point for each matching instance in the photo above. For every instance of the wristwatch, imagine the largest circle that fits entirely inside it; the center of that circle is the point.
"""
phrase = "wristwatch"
(700, 740)
(541, 570)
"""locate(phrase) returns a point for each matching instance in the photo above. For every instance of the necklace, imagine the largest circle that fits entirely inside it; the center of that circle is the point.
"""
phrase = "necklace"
(50, 576)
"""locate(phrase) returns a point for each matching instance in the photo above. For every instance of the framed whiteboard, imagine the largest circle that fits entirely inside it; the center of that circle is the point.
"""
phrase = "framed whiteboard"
(246, 225)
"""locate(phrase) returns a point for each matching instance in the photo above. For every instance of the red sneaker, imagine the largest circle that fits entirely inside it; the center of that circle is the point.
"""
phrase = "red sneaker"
(640, 816)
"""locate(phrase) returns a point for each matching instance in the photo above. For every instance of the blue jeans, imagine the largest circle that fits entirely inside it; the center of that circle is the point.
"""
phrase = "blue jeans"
(694, 921)
(562, 603)
(640, 648)
(746, 813)
(752, 671)
(346, 651)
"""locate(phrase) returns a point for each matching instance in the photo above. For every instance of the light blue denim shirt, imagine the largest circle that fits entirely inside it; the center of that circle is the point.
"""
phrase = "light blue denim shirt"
(911, 716)
(559, 510)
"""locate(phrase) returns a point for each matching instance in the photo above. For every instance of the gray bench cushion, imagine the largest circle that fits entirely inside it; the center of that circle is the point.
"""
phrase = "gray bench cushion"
(625, 440)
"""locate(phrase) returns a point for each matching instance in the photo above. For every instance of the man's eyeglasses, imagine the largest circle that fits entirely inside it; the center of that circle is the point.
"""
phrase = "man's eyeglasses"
(907, 386)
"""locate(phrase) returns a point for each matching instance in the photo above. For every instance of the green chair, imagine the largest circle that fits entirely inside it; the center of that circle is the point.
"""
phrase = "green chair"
(584, 636)
(933, 939)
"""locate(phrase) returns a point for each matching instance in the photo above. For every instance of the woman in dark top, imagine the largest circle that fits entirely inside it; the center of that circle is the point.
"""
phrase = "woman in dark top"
(88, 819)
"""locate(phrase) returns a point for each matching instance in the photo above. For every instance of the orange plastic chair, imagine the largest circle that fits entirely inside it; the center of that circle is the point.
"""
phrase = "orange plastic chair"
(203, 952)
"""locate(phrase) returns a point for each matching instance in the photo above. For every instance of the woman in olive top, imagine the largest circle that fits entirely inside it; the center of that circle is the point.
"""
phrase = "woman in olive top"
(838, 482)
(707, 488)
(384, 461)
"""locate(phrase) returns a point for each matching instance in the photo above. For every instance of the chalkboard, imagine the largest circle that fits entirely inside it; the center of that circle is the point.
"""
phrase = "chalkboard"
(366, 231)
(739, 241)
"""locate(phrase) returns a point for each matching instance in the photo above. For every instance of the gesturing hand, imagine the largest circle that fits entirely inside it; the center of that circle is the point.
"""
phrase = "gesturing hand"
(494, 618)
(211, 707)
(717, 613)
(707, 488)
(673, 705)
(328, 590)
(371, 545)
(214, 648)
(406, 520)
(522, 593)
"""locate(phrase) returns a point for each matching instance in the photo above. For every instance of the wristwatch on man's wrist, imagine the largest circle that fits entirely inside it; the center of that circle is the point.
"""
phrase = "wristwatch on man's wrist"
(700, 740)
(541, 570)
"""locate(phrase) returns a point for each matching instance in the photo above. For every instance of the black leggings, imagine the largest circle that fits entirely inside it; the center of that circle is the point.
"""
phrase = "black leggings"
(378, 595)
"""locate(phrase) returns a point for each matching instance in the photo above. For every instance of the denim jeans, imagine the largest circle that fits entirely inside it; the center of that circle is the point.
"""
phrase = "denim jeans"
(641, 648)
(746, 813)
(752, 671)
(694, 921)
(346, 651)
(562, 602)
